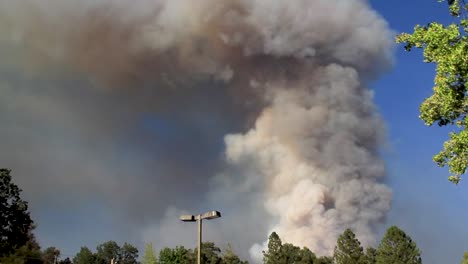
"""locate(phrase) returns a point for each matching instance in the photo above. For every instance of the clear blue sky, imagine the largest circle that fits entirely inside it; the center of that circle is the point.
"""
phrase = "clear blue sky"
(426, 205)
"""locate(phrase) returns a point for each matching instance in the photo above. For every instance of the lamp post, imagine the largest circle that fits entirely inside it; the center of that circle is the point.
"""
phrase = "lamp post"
(192, 218)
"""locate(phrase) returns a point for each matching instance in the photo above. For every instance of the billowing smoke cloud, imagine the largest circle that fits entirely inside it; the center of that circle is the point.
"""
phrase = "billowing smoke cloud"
(129, 102)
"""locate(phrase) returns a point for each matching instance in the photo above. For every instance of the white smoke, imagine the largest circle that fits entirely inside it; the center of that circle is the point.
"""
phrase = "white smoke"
(316, 147)
(290, 76)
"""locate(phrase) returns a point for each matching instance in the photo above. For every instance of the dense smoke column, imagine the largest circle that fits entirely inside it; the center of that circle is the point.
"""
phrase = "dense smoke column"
(287, 79)
(317, 148)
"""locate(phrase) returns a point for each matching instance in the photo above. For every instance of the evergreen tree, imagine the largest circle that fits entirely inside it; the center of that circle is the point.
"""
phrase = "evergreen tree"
(85, 256)
(273, 254)
(287, 253)
(324, 260)
(307, 256)
(397, 248)
(16, 224)
(179, 255)
(128, 254)
(108, 251)
(149, 257)
(371, 255)
(210, 254)
(348, 249)
(27, 254)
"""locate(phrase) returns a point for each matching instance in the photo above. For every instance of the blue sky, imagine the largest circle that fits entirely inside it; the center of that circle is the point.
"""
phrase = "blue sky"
(426, 205)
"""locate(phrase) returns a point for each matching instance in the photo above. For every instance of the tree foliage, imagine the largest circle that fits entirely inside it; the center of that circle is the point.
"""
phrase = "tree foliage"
(29, 253)
(128, 254)
(371, 255)
(279, 253)
(16, 224)
(447, 47)
(210, 253)
(230, 257)
(273, 254)
(108, 251)
(348, 249)
(149, 257)
(65, 261)
(324, 260)
(465, 258)
(178, 255)
(397, 247)
(105, 252)
(50, 255)
(84, 256)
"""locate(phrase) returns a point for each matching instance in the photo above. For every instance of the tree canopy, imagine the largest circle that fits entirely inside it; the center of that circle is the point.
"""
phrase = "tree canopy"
(84, 256)
(348, 249)
(279, 253)
(397, 247)
(50, 255)
(16, 224)
(447, 47)
(465, 258)
(178, 255)
(149, 256)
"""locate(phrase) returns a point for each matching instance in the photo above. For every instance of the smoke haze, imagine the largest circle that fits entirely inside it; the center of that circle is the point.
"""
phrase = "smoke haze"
(258, 107)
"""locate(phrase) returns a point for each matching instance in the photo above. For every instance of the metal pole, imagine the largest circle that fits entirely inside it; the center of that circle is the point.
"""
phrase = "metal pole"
(199, 238)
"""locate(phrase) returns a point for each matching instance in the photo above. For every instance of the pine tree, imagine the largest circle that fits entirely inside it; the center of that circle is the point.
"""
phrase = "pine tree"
(397, 248)
(371, 255)
(85, 256)
(348, 249)
(273, 254)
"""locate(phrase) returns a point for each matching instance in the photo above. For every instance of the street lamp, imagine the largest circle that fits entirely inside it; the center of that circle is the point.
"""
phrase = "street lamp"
(192, 218)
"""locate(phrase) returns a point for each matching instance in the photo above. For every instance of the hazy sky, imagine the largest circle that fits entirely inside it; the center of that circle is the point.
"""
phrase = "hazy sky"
(425, 204)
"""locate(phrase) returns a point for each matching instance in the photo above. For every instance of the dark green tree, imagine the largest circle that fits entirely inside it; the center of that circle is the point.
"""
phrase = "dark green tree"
(128, 254)
(324, 260)
(65, 261)
(287, 253)
(16, 224)
(27, 254)
(85, 256)
(50, 255)
(210, 254)
(348, 249)
(307, 256)
(108, 251)
(371, 255)
(273, 254)
(290, 254)
(397, 247)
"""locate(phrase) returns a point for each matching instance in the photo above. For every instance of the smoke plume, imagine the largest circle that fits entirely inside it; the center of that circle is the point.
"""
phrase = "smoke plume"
(128, 102)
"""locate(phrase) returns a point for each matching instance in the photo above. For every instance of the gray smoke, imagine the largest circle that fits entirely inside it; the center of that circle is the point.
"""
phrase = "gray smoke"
(128, 102)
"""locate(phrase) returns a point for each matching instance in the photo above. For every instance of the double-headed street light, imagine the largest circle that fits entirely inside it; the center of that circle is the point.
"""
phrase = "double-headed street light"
(192, 218)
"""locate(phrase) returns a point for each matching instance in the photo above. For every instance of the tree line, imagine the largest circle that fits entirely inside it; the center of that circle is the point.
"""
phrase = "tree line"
(18, 245)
